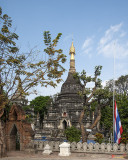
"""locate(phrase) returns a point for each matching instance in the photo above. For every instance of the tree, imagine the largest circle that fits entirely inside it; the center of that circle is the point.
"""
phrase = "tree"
(107, 116)
(121, 98)
(122, 85)
(106, 120)
(7, 46)
(122, 104)
(95, 96)
(40, 105)
(29, 69)
(73, 134)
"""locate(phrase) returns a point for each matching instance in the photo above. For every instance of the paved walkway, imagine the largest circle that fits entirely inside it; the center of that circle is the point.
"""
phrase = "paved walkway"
(19, 155)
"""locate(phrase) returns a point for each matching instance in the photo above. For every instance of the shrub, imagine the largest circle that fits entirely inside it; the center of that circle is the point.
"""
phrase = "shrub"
(99, 138)
(73, 134)
(124, 138)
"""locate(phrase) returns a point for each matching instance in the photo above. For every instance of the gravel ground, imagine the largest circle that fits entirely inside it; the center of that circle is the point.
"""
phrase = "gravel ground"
(19, 155)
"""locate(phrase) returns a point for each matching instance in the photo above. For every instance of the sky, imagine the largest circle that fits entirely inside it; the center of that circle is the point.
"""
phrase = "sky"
(98, 28)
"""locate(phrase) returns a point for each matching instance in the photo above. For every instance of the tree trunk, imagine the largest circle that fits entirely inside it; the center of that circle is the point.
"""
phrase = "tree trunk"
(96, 120)
(2, 139)
(83, 132)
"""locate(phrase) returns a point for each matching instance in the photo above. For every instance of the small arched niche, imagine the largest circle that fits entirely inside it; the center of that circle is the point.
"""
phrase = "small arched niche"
(14, 139)
(64, 123)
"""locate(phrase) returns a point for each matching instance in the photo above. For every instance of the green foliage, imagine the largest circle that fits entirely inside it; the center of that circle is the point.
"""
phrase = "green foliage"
(122, 100)
(124, 138)
(107, 118)
(107, 114)
(5, 115)
(25, 108)
(121, 97)
(91, 96)
(73, 134)
(122, 104)
(93, 106)
(29, 118)
(122, 85)
(99, 138)
(40, 105)
(98, 70)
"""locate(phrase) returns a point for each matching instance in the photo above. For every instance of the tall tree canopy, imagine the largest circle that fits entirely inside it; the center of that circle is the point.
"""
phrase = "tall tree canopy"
(29, 69)
(121, 85)
(40, 105)
(101, 99)
(95, 97)
(121, 97)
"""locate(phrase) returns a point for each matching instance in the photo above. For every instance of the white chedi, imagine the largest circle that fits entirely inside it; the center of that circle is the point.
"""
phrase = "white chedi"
(47, 150)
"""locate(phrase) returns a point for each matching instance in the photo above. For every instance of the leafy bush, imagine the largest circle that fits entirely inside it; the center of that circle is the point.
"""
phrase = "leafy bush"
(73, 134)
(99, 138)
(124, 138)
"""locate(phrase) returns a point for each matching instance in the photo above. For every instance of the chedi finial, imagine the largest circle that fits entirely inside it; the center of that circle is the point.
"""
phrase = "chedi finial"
(72, 49)
(72, 58)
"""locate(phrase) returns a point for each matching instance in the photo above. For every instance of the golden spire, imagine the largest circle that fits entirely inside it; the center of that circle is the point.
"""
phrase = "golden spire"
(72, 58)
(72, 49)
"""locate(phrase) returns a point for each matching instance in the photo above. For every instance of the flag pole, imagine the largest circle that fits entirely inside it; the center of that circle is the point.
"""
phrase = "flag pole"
(113, 89)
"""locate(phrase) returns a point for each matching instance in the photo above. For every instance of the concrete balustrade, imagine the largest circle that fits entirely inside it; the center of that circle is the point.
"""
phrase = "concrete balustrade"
(81, 147)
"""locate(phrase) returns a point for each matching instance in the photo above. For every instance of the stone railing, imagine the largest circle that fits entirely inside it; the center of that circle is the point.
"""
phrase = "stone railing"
(81, 147)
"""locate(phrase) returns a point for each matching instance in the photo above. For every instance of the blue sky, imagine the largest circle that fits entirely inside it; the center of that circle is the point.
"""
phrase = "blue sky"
(99, 29)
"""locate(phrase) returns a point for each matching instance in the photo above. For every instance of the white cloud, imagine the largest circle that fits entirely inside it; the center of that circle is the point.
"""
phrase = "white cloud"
(109, 34)
(87, 50)
(113, 29)
(114, 42)
(87, 46)
(87, 43)
(123, 34)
